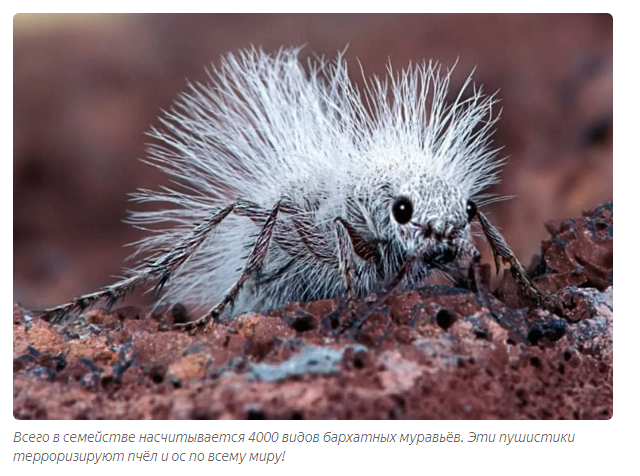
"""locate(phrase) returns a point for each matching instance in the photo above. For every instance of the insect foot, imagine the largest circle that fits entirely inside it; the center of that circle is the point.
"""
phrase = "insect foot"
(194, 327)
(502, 253)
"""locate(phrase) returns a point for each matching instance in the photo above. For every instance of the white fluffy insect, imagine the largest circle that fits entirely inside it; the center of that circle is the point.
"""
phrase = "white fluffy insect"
(292, 183)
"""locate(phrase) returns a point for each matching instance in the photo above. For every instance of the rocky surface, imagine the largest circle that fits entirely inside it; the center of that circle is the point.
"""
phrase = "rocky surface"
(436, 352)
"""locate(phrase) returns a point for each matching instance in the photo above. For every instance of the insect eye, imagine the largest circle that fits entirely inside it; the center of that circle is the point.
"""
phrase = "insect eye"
(472, 209)
(402, 210)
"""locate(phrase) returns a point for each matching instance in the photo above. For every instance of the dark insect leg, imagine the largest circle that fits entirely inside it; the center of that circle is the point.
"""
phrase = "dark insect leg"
(475, 283)
(501, 251)
(385, 295)
(345, 263)
(159, 267)
(253, 264)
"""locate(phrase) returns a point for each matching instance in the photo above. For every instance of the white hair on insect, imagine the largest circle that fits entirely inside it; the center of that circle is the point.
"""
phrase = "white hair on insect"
(267, 127)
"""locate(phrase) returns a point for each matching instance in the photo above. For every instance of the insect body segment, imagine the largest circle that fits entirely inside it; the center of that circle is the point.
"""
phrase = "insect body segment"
(292, 183)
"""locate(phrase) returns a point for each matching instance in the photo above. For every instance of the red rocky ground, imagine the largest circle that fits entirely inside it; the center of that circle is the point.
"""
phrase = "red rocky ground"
(437, 352)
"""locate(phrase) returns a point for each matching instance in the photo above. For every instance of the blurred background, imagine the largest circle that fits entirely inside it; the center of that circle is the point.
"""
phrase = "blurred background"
(88, 87)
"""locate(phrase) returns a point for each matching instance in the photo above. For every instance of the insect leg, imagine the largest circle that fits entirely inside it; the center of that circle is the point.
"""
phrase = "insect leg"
(501, 251)
(345, 263)
(159, 267)
(395, 282)
(253, 264)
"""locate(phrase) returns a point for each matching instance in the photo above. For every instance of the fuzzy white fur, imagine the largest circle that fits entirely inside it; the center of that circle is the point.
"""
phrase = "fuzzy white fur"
(266, 128)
